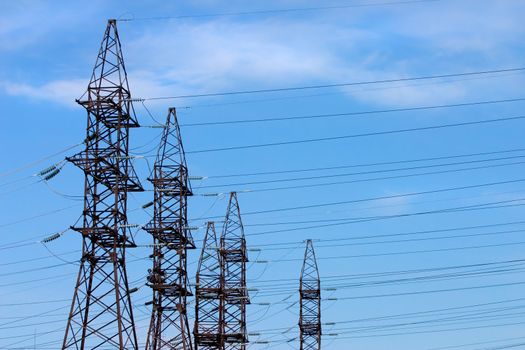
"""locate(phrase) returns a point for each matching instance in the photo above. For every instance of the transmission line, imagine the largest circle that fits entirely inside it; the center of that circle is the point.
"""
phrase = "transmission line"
(347, 114)
(377, 172)
(368, 134)
(324, 86)
(276, 11)
(345, 166)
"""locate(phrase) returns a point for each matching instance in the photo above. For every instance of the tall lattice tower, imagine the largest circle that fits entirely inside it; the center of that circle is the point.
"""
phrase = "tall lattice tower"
(207, 294)
(101, 314)
(310, 299)
(233, 279)
(168, 278)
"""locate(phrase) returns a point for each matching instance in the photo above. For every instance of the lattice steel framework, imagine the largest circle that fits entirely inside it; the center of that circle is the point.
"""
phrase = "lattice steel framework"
(310, 300)
(168, 278)
(101, 314)
(208, 294)
(233, 279)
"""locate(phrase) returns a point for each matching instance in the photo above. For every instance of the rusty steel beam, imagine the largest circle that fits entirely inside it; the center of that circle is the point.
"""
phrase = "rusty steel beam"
(168, 278)
(208, 294)
(101, 314)
(310, 302)
(234, 296)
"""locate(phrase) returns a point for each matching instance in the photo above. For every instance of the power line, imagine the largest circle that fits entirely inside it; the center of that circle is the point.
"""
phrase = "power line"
(276, 11)
(475, 316)
(460, 228)
(17, 262)
(28, 165)
(418, 332)
(278, 223)
(334, 245)
(34, 302)
(333, 183)
(406, 252)
(401, 272)
(366, 164)
(345, 284)
(431, 323)
(342, 137)
(433, 311)
(420, 292)
(410, 194)
(455, 329)
(295, 88)
(342, 92)
(38, 280)
(477, 343)
(375, 172)
(486, 206)
(446, 290)
(38, 216)
(333, 115)
(441, 311)
(33, 269)
(382, 274)
(353, 220)
(465, 320)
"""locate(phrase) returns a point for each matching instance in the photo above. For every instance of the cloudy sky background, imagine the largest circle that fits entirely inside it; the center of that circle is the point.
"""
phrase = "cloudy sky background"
(47, 50)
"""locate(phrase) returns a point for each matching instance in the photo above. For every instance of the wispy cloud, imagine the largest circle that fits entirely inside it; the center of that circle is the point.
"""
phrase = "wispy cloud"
(173, 58)
(489, 28)
(222, 54)
(25, 24)
(58, 91)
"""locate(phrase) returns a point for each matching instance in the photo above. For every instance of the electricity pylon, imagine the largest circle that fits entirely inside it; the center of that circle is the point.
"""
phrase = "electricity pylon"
(168, 278)
(208, 294)
(101, 313)
(310, 300)
(233, 279)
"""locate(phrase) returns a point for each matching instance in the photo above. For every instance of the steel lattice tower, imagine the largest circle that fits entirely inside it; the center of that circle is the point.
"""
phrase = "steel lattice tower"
(233, 279)
(310, 299)
(101, 314)
(168, 278)
(208, 293)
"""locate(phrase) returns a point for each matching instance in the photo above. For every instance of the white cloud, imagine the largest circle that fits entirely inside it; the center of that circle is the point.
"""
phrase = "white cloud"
(185, 57)
(25, 24)
(58, 91)
(467, 26)
(223, 54)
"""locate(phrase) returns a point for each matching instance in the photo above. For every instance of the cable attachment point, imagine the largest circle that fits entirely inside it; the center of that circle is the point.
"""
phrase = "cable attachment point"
(53, 237)
(90, 137)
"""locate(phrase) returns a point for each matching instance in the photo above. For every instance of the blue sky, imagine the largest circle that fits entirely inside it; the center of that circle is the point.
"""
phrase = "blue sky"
(47, 53)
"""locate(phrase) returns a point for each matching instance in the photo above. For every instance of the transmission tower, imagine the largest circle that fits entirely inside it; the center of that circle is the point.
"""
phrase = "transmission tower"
(207, 294)
(233, 279)
(168, 278)
(101, 314)
(310, 299)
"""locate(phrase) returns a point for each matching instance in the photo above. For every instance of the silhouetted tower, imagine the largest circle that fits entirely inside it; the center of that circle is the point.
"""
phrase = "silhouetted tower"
(101, 315)
(310, 299)
(233, 279)
(208, 293)
(168, 278)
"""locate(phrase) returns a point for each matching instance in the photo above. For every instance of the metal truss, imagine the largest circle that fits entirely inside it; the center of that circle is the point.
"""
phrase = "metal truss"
(233, 279)
(101, 313)
(168, 278)
(310, 300)
(208, 294)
